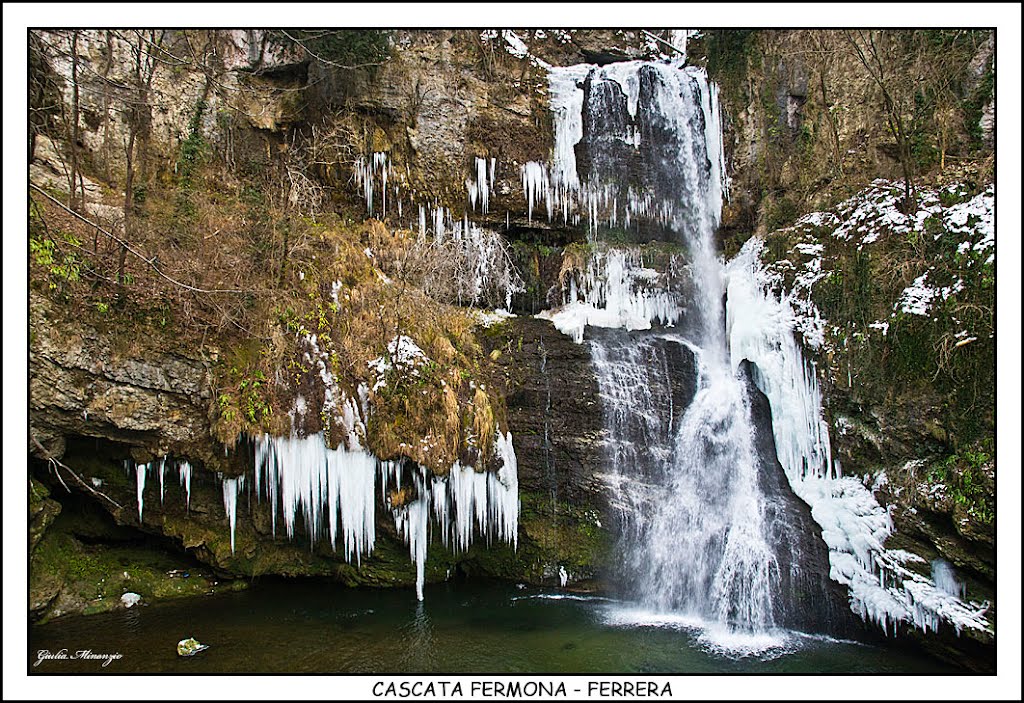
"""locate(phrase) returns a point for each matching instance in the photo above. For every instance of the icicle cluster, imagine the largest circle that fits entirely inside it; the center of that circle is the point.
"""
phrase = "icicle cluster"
(615, 289)
(368, 172)
(331, 488)
(760, 326)
(482, 184)
(473, 265)
(161, 466)
(463, 503)
(469, 265)
(334, 490)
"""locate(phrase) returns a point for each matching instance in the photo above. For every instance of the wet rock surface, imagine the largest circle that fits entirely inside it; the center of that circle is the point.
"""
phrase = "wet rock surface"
(816, 602)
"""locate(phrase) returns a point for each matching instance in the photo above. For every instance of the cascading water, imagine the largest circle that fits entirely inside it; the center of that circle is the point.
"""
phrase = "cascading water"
(733, 513)
(681, 443)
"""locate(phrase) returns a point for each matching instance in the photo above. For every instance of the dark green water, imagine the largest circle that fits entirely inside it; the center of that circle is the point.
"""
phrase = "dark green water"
(325, 628)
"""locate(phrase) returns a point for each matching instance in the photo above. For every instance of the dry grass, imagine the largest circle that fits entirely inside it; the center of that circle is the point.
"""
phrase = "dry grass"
(290, 269)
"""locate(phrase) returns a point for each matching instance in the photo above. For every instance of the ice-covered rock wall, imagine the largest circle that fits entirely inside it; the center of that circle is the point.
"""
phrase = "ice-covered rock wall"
(615, 289)
(761, 326)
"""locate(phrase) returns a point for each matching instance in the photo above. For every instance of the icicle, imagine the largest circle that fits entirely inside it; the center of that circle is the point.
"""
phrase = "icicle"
(536, 187)
(160, 472)
(140, 484)
(230, 488)
(185, 479)
(411, 524)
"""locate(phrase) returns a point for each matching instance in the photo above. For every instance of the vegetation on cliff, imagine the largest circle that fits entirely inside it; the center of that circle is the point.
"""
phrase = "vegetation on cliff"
(198, 189)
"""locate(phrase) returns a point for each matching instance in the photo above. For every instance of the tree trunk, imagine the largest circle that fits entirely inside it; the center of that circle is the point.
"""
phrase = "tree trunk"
(73, 177)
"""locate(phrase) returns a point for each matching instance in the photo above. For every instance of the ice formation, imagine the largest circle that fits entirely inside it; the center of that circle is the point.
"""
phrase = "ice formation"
(331, 488)
(367, 173)
(946, 579)
(140, 484)
(160, 466)
(230, 488)
(185, 479)
(882, 589)
(480, 186)
(473, 265)
(615, 289)
(334, 490)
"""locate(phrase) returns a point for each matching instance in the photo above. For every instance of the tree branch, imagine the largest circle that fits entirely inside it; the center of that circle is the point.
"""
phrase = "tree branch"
(130, 249)
(56, 463)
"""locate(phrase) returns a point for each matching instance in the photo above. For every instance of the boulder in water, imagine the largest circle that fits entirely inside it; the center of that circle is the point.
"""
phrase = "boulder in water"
(190, 647)
(129, 599)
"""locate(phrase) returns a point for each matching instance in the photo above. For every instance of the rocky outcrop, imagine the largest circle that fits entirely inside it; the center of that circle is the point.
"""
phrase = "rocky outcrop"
(554, 413)
(100, 400)
(816, 603)
(145, 393)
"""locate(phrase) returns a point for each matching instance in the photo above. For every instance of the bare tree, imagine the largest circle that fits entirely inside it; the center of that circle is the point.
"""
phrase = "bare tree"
(875, 50)
(138, 117)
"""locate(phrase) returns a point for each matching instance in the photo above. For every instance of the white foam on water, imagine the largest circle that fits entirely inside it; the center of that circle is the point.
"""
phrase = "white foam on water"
(713, 636)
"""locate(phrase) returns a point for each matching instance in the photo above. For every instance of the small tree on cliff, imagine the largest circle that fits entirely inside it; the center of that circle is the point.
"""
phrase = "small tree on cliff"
(920, 76)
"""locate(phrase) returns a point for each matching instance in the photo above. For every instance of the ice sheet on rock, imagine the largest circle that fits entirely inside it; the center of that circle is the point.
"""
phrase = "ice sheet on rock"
(854, 526)
(615, 290)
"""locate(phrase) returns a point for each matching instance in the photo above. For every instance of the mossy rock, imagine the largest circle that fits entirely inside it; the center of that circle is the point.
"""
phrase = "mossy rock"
(42, 512)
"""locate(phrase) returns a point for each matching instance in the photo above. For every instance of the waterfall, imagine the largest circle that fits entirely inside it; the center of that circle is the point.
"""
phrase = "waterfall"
(882, 589)
(643, 139)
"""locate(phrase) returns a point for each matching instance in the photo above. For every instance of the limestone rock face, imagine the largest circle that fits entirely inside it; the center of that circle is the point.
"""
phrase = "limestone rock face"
(42, 512)
(555, 413)
(81, 384)
(98, 399)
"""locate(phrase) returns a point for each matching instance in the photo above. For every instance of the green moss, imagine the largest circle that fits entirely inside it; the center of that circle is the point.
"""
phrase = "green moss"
(781, 212)
(968, 477)
(92, 577)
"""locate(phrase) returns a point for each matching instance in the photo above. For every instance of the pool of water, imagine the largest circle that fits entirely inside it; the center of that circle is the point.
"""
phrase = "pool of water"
(319, 627)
